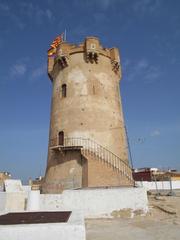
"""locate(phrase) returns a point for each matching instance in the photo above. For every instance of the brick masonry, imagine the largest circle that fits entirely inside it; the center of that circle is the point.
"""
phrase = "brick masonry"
(90, 109)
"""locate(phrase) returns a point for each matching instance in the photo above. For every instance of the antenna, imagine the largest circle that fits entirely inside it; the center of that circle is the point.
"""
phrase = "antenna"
(65, 35)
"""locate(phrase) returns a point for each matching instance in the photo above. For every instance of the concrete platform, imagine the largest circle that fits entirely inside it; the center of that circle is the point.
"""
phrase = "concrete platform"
(74, 229)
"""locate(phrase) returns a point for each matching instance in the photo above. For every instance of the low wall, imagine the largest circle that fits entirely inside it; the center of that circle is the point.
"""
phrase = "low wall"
(160, 185)
(96, 203)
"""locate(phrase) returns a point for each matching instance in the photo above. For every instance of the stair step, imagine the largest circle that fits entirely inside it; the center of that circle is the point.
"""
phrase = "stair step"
(90, 147)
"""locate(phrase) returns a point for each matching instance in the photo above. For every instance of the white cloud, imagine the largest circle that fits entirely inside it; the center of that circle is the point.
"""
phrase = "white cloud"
(105, 3)
(49, 14)
(100, 17)
(79, 30)
(97, 4)
(8, 13)
(4, 7)
(20, 24)
(155, 133)
(142, 64)
(18, 69)
(152, 74)
(140, 70)
(126, 64)
(36, 13)
(146, 6)
(38, 72)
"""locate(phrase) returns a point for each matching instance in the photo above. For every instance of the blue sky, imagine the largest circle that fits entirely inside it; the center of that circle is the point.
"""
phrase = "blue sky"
(147, 32)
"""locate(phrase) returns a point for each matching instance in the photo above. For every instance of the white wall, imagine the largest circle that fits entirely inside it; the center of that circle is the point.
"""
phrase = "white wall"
(14, 201)
(92, 202)
(26, 188)
(13, 185)
(161, 185)
(96, 202)
(2, 201)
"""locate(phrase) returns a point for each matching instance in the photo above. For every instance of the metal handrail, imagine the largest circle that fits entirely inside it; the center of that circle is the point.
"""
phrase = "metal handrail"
(92, 147)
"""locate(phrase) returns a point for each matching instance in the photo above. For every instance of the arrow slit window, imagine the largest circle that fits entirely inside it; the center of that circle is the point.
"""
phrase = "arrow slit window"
(64, 90)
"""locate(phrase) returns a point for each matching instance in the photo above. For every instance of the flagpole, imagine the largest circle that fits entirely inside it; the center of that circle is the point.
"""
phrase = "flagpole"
(65, 35)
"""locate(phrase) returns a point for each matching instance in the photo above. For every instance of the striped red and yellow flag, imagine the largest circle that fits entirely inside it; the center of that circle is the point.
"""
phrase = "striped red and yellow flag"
(51, 51)
(57, 41)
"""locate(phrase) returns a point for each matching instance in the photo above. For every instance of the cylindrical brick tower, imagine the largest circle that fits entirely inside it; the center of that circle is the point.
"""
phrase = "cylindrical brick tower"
(87, 139)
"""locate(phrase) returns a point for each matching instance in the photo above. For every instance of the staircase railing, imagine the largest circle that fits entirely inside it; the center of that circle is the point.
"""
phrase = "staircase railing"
(90, 147)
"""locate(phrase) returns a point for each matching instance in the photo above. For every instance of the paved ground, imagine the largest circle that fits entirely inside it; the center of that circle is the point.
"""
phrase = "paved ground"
(161, 223)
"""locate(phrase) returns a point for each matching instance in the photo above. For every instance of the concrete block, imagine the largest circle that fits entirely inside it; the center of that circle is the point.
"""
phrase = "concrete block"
(33, 200)
(12, 201)
(12, 185)
(15, 201)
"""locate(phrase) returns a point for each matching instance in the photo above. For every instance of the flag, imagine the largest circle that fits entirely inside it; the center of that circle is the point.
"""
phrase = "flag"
(57, 41)
(51, 51)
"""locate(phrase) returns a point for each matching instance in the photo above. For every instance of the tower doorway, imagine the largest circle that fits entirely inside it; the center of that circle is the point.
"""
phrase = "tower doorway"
(61, 138)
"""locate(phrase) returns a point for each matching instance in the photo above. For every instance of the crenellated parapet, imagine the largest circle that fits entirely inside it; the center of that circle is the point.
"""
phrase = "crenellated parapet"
(92, 50)
(115, 60)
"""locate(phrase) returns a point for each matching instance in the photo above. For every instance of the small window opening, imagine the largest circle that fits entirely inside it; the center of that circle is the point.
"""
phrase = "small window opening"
(64, 90)
(94, 90)
(61, 138)
(93, 46)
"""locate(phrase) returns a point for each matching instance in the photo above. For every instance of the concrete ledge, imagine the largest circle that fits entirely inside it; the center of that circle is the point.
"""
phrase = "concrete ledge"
(74, 229)
(97, 203)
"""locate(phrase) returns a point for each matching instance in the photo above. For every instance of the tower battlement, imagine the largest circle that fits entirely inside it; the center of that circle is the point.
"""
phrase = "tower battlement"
(92, 51)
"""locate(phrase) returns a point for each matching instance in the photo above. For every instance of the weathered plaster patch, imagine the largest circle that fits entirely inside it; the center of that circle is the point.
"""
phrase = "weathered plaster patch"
(123, 213)
(76, 75)
(103, 79)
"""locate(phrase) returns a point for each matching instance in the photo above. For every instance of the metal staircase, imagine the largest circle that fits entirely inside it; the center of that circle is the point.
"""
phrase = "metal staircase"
(91, 148)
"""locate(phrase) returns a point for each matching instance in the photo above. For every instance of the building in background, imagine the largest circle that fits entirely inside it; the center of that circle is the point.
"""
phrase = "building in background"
(3, 177)
(155, 174)
(36, 184)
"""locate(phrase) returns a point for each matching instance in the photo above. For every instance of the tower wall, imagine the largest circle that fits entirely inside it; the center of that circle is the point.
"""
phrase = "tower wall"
(90, 107)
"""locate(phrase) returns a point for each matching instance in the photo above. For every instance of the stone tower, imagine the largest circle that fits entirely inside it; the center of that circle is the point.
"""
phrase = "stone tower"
(87, 140)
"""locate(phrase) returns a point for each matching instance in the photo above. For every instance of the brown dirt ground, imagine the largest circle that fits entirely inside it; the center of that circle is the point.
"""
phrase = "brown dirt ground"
(161, 223)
